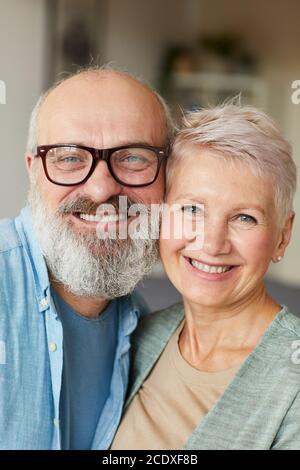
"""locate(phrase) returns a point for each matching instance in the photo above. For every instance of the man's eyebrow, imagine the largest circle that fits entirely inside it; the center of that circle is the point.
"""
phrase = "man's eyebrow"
(135, 142)
(122, 143)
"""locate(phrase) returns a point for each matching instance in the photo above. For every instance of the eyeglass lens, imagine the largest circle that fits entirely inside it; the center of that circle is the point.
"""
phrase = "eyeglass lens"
(69, 165)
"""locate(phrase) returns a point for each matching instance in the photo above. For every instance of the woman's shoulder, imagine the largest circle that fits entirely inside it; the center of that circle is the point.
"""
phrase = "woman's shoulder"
(158, 326)
(276, 358)
(288, 324)
(171, 313)
(285, 341)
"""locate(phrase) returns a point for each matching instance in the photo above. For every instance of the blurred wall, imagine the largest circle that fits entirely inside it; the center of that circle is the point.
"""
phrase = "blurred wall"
(137, 33)
(134, 34)
(272, 33)
(22, 56)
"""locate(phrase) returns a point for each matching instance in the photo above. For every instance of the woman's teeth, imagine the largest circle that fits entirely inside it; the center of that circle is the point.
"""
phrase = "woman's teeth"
(209, 269)
(103, 218)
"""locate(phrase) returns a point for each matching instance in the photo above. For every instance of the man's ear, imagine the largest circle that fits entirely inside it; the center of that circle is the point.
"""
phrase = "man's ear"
(29, 162)
(285, 237)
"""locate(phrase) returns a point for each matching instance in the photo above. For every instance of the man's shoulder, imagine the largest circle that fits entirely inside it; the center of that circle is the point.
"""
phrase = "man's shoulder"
(9, 238)
(10, 256)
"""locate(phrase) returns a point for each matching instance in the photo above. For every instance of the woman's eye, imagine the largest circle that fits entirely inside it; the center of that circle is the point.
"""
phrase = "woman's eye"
(192, 209)
(246, 218)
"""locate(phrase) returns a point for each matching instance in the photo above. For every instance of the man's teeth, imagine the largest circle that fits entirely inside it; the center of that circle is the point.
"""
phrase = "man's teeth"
(209, 269)
(103, 218)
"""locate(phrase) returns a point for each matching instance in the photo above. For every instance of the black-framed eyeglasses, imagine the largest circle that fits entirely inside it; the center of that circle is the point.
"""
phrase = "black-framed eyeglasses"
(133, 165)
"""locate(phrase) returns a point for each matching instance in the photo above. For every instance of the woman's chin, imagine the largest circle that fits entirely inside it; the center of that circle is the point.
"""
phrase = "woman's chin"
(207, 301)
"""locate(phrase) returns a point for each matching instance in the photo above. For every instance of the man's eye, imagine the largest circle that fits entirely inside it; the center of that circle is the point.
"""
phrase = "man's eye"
(65, 159)
(192, 209)
(246, 219)
(70, 159)
(133, 159)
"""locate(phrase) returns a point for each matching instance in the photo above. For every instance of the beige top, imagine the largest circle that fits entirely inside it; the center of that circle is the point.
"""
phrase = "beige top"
(171, 403)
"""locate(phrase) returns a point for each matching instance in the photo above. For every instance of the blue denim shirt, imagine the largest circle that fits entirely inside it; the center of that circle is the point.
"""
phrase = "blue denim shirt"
(31, 348)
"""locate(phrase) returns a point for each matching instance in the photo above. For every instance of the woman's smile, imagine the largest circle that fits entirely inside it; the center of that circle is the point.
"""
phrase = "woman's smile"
(209, 272)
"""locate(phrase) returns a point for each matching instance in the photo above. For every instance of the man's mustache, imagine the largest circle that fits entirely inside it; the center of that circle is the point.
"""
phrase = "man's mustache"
(86, 205)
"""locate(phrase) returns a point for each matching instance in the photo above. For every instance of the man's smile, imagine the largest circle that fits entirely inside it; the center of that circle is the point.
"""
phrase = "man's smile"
(103, 220)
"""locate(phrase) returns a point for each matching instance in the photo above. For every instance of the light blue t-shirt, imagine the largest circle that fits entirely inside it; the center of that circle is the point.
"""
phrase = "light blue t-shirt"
(89, 355)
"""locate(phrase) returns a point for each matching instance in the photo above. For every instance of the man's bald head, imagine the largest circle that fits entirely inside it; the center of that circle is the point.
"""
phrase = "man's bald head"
(84, 86)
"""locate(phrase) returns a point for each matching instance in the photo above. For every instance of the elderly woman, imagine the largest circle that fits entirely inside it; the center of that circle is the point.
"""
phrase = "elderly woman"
(221, 370)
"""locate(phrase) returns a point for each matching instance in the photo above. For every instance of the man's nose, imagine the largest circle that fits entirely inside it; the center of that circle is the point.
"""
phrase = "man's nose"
(101, 185)
(216, 238)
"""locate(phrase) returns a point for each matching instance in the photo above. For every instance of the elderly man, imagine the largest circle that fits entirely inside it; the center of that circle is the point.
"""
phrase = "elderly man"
(66, 316)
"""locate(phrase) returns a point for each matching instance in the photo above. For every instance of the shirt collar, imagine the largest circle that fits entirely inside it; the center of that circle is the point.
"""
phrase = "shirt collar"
(129, 314)
(33, 251)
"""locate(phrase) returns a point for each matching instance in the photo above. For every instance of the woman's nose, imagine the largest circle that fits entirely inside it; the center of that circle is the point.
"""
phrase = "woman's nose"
(216, 238)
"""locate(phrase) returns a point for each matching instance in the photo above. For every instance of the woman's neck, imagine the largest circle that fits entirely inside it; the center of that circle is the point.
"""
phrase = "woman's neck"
(219, 339)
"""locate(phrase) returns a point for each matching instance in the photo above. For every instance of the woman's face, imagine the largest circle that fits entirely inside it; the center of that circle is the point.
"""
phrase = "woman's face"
(241, 233)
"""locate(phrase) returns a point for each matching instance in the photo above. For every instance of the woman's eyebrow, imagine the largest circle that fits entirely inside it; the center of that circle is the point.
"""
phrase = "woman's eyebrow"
(239, 207)
(250, 206)
(189, 196)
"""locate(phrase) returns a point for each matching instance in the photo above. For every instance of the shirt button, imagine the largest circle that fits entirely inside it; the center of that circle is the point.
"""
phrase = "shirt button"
(55, 422)
(52, 347)
(44, 302)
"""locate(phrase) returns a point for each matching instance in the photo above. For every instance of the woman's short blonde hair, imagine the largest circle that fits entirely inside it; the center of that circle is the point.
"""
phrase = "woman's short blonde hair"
(241, 133)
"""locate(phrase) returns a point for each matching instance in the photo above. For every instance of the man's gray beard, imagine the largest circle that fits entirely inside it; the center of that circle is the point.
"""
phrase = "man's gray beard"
(86, 265)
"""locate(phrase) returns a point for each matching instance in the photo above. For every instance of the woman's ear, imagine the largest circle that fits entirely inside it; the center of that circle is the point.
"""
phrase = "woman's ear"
(284, 240)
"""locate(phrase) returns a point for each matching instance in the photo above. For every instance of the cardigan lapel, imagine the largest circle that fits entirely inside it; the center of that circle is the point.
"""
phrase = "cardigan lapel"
(148, 342)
